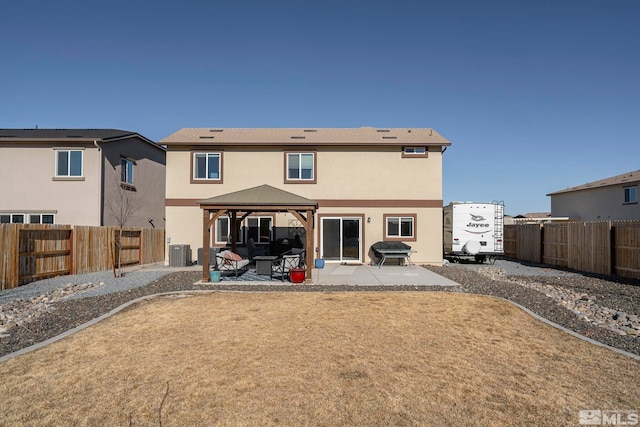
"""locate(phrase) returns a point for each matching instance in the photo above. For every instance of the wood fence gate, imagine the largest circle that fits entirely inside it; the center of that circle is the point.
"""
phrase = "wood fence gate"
(30, 252)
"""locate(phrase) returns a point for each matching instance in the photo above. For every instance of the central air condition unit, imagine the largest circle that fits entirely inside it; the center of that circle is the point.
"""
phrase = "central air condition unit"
(179, 255)
(212, 255)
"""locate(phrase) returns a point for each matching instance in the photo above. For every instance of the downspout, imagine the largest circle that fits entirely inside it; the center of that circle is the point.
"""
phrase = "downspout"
(95, 142)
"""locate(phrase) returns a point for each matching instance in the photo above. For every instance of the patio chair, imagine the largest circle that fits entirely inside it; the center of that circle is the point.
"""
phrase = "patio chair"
(283, 265)
(300, 252)
(227, 261)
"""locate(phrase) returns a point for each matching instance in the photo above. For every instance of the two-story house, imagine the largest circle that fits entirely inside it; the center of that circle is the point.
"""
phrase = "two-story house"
(614, 198)
(369, 185)
(80, 177)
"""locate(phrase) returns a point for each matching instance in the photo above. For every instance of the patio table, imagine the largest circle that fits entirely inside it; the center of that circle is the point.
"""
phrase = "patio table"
(264, 264)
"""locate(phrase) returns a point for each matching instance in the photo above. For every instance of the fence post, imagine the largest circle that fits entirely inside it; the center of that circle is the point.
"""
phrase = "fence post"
(612, 248)
(72, 263)
(541, 243)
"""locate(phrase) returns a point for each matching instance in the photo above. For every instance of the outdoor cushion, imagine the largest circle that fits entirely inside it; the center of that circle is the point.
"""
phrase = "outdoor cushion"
(226, 261)
(232, 255)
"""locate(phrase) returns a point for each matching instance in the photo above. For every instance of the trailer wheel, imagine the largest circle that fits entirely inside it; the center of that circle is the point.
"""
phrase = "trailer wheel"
(480, 258)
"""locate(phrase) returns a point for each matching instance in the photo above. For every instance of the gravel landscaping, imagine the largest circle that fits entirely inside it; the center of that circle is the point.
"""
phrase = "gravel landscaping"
(602, 309)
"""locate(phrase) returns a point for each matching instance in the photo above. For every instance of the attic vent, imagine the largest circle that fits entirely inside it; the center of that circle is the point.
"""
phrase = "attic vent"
(389, 137)
(383, 130)
(207, 137)
(310, 130)
(216, 130)
(298, 137)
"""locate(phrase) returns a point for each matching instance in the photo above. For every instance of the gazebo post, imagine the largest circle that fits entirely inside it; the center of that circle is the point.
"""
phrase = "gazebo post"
(234, 232)
(309, 250)
(206, 241)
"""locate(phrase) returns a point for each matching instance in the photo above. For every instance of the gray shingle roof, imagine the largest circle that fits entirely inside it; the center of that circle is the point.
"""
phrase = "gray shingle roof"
(625, 178)
(69, 135)
(103, 134)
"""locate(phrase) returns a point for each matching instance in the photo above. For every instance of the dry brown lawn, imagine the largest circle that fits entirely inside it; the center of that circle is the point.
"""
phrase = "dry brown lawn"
(327, 359)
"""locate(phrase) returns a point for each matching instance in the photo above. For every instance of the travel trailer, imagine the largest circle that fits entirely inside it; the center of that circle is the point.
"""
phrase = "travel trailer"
(473, 230)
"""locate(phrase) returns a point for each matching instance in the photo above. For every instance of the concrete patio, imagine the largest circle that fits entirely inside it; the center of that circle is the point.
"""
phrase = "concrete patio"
(336, 274)
(360, 274)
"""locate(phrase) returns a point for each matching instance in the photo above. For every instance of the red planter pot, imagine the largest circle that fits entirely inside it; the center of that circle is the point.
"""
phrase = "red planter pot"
(297, 275)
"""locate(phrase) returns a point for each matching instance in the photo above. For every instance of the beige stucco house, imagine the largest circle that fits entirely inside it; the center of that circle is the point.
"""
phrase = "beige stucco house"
(614, 198)
(73, 176)
(369, 184)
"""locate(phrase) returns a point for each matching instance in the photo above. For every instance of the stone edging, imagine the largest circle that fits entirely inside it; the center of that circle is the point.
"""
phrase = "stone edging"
(195, 291)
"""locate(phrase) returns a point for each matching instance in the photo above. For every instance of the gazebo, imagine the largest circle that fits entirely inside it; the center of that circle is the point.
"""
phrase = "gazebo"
(241, 204)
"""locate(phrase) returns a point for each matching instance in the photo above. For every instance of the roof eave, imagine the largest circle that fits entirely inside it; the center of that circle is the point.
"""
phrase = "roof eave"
(298, 143)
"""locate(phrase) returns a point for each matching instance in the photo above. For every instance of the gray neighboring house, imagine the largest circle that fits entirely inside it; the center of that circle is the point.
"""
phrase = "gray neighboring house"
(71, 176)
(614, 198)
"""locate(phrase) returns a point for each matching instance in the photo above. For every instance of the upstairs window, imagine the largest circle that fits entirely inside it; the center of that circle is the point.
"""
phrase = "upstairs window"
(415, 152)
(400, 227)
(126, 171)
(300, 167)
(68, 163)
(630, 194)
(207, 166)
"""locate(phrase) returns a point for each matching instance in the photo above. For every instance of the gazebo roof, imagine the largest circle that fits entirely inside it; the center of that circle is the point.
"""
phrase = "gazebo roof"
(261, 196)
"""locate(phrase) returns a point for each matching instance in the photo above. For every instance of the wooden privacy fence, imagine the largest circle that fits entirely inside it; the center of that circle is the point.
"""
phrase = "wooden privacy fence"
(601, 247)
(30, 252)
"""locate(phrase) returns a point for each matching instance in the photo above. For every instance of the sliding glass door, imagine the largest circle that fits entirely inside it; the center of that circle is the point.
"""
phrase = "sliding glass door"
(341, 239)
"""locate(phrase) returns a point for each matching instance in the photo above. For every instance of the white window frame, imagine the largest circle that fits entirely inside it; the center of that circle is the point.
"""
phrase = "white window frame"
(630, 195)
(415, 151)
(300, 155)
(27, 218)
(12, 217)
(259, 220)
(223, 240)
(41, 217)
(126, 171)
(400, 220)
(68, 152)
(207, 155)
(219, 239)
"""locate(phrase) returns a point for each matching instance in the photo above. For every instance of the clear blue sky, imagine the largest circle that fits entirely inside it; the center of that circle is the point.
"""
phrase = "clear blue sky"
(535, 96)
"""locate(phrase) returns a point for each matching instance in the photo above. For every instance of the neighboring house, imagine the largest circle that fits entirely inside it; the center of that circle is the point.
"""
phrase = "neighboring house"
(614, 198)
(532, 218)
(73, 176)
(370, 185)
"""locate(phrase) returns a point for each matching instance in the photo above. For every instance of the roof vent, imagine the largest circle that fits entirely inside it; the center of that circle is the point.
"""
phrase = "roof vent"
(216, 130)
(310, 130)
(383, 130)
(74, 136)
(207, 137)
(389, 137)
(298, 137)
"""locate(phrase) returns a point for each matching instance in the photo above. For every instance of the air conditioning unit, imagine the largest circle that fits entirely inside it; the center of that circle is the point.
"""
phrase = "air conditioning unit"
(179, 255)
(212, 255)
